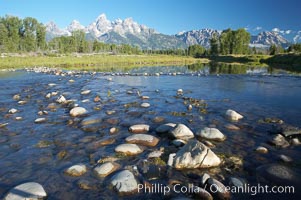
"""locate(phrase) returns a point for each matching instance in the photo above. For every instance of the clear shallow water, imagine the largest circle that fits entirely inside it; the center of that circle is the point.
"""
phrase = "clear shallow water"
(255, 96)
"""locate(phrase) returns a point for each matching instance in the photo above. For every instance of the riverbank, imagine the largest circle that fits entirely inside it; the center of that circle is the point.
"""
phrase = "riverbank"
(290, 62)
(107, 62)
(91, 61)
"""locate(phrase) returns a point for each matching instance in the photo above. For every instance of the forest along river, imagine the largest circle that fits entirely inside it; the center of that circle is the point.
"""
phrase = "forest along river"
(39, 140)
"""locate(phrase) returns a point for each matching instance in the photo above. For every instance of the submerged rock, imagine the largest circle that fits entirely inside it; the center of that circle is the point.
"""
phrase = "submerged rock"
(217, 189)
(128, 149)
(212, 134)
(290, 130)
(77, 111)
(30, 190)
(285, 158)
(201, 193)
(125, 183)
(90, 120)
(276, 174)
(279, 141)
(139, 128)
(195, 155)
(76, 170)
(233, 115)
(106, 169)
(181, 131)
(164, 128)
(142, 139)
(179, 142)
(231, 127)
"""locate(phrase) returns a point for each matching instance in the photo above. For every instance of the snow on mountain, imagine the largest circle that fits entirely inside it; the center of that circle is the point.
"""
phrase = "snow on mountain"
(74, 26)
(201, 37)
(269, 38)
(103, 26)
(297, 37)
(54, 30)
(130, 32)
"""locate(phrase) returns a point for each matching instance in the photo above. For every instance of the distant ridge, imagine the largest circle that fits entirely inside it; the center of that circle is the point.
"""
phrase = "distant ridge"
(128, 31)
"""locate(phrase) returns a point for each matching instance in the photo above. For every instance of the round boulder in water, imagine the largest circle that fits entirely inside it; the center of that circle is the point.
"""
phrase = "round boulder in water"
(143, 139)
(30, 190)
(128, 149)
(124, 183)
(77, 111)
(233, 115)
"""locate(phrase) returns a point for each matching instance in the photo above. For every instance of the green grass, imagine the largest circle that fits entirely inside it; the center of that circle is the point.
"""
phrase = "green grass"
(254, 60)
(105, 62)
(290, 62)
(100, 62)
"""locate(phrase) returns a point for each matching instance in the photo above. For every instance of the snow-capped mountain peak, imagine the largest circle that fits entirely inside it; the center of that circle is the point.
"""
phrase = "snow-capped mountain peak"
(269, 38)
(74, 26)
(130, 32)
(53, 29)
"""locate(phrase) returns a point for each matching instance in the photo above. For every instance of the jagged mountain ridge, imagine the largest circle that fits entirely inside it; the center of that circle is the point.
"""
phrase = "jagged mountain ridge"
(128, 31)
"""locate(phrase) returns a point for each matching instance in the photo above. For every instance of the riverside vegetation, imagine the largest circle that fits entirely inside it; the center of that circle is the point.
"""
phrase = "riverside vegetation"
(19, 38)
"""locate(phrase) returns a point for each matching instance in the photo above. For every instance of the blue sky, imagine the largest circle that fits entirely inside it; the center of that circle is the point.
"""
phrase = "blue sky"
(166, 16)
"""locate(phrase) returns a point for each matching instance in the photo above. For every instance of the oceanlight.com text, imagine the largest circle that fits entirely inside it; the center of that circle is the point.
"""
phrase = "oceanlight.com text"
(213, 188)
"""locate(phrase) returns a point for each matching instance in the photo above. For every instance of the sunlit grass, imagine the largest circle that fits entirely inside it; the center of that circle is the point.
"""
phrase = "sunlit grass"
(95, 61)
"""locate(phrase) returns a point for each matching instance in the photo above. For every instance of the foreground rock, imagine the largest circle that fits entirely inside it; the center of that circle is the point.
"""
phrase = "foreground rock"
(30, 190)
(124, 183)
(76, 170)
(194, 155)
(212, 134)
(128, 149)
(181, 131)
(143, 139)
(106, 169)
(77, 111)
(233, 115)
(139, 128)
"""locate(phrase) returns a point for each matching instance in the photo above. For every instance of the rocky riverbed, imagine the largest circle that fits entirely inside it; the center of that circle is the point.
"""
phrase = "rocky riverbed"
(90, 135)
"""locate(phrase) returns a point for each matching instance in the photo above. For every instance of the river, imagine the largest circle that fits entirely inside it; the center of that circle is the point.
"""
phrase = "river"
(41, 152)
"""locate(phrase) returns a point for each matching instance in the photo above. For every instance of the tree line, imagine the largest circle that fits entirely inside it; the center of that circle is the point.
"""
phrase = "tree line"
(29, 35)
